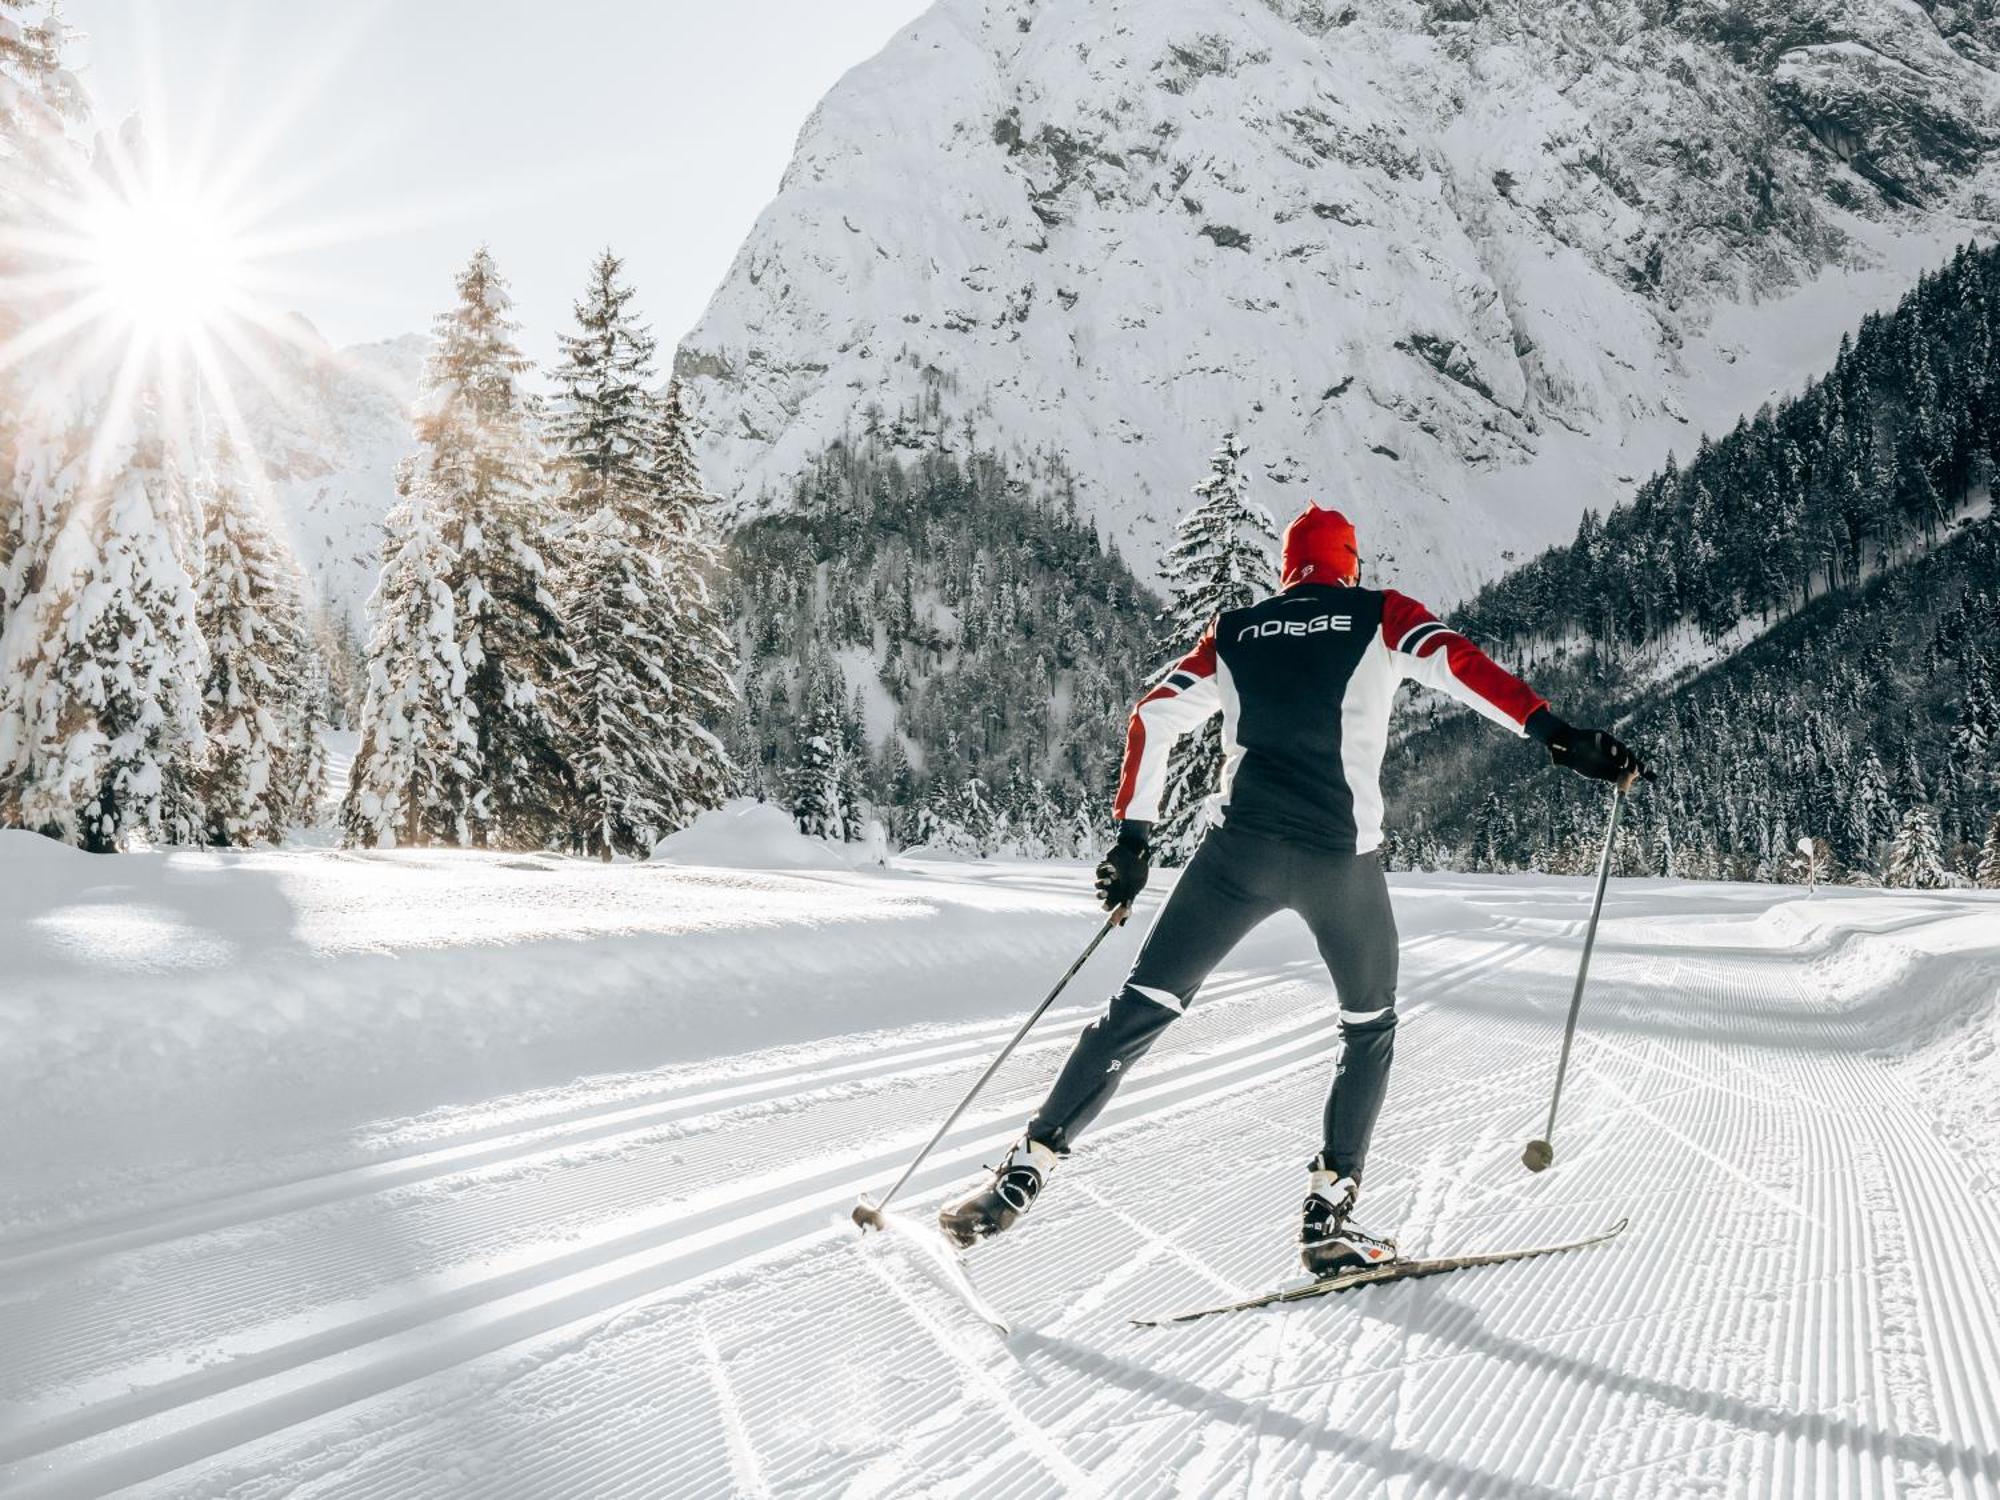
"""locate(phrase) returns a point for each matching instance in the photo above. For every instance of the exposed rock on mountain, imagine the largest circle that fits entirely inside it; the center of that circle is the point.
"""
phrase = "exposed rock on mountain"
(1463, 267)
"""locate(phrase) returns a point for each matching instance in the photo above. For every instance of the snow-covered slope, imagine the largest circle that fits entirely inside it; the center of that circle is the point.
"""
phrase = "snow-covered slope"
(1462, 266)
(329, 426)
(453, 1174)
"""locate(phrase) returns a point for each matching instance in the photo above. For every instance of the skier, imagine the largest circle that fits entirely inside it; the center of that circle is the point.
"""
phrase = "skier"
(1304, 681)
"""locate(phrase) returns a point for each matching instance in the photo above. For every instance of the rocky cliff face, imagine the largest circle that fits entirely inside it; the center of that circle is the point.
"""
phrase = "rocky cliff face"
(1463, 267)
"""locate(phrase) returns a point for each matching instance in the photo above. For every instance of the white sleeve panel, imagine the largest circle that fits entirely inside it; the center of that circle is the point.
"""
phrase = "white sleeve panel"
(1162, 717)
(1434, 670)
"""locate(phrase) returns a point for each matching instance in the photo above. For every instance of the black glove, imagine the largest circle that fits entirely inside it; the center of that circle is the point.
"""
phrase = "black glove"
(1588, 752)
(1122, 873)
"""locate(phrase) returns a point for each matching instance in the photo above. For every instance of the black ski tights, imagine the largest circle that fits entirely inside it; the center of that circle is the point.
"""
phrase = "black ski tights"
(1236, 880)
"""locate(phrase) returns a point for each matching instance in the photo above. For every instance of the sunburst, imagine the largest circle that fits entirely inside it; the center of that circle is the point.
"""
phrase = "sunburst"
(163, 261)
(141, 279)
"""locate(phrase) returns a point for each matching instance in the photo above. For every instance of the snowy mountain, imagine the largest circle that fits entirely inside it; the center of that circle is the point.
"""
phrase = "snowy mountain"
(1463, 267)
(329, 426)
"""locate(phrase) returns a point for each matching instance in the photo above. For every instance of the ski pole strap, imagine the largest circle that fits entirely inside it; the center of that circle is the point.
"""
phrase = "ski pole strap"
(1115, 919)
(1583, 968)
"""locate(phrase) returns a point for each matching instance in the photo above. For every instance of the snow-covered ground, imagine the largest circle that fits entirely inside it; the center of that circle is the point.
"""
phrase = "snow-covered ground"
(458, 1174)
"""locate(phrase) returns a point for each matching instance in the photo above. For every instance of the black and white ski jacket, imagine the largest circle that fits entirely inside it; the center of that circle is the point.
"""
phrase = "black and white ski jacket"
(1304, 681)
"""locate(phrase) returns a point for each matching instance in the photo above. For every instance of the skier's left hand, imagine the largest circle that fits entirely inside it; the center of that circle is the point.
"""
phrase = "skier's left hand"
(1596, 753)
(1122, 873)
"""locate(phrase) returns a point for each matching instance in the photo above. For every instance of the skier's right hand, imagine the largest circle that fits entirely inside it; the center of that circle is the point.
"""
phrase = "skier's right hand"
(1122, 873)
(1596, 753)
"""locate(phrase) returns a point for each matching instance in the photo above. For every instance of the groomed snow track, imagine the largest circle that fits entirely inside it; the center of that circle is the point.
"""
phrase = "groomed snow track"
(653, 1290)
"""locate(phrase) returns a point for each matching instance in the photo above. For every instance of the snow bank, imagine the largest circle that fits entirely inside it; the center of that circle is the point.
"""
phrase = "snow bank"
(749, 835)
(186, 1004)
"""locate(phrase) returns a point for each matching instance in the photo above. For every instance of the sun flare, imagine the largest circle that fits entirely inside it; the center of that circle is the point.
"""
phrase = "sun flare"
(144, 289)
(163, 262)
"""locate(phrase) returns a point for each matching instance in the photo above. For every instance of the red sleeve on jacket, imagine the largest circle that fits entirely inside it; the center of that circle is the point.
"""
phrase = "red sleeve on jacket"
(1468, 673)
(1180, 700)
(1400, 616)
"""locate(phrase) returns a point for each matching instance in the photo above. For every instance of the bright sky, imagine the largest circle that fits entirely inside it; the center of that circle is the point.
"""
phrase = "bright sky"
(396, 137)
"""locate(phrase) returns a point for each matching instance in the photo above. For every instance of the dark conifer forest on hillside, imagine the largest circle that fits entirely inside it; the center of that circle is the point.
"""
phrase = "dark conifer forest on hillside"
(1801, 626)
(998, 641)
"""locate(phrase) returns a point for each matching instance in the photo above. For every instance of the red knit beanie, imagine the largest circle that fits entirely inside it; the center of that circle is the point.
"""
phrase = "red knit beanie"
(1319, 548)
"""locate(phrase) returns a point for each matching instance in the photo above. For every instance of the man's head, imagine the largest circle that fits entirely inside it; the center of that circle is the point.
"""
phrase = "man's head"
(1319, 548)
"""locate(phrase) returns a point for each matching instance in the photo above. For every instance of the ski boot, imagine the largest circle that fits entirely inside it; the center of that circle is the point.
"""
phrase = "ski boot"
(1328, 1244)
(1008, 1194)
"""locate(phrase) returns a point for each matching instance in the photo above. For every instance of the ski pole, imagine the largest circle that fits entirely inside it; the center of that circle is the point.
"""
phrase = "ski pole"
(1539, 1153)
(869, 1215)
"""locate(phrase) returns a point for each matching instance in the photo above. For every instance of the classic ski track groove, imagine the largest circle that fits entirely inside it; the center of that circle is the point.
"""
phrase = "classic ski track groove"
(1297, 1042)
(1728, 1149)
(480, 1147)
(71, 1342)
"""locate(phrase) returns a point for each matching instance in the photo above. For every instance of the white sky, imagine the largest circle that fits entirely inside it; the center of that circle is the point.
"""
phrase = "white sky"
(410, 132)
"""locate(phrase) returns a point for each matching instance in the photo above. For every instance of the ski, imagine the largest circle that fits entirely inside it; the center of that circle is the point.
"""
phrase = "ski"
(1395, 1270)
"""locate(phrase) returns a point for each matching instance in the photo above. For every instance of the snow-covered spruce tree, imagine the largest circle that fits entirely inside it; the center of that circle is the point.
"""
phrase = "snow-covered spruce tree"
(1220, 559)
(651, 663)
(601, 428)
(899, 788)
(417, 764)
(818, 781)
(481, 476)
(100, 727)
(972, 810)
(40, 100)
(1973, 738)
(258, 709)
(1492, 836)
(1870, 812)
(614, 706)
(1917, 858)
(322, 709)
(957, 818)
(1628, 851)
(931, 826)
(1911, 787)
(39, 487)
(41, 104)
(1988, 874)
(701, 659)
(38, 95)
